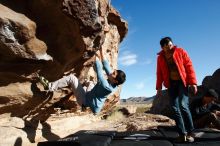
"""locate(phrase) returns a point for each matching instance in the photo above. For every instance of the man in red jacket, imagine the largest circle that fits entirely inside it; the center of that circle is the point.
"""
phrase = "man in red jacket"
(175, 71)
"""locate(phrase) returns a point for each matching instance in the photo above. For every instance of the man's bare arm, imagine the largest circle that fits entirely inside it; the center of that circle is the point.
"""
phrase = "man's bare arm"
(102, 57)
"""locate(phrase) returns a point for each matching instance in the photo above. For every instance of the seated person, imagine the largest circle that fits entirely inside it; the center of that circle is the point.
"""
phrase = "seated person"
(205, 111)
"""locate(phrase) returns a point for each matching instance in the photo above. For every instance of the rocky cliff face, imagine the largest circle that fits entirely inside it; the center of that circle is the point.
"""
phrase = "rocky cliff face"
(53, 38)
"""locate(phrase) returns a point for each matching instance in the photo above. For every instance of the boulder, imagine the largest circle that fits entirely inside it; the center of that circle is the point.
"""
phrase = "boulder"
(212, 81)
(18, 37)
(53, 39)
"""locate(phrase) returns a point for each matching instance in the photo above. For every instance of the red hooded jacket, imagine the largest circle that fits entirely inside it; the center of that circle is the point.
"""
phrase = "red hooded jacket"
(184, 65)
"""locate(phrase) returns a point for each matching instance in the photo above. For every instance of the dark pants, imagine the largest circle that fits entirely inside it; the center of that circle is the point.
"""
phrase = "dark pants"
(207, 120)
(180, 104)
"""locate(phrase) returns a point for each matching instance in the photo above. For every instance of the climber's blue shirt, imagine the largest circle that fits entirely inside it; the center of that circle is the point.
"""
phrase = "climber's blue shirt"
(96, 97)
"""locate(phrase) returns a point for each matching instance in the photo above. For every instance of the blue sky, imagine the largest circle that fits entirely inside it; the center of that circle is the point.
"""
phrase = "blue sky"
(192, 24)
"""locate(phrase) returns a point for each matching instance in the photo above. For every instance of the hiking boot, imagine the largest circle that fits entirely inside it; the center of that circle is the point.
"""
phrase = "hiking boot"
(180, 139)
(189, 138)
(44, 82)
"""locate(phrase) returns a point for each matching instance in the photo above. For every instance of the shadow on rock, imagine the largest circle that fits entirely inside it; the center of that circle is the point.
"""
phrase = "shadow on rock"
(18, 142)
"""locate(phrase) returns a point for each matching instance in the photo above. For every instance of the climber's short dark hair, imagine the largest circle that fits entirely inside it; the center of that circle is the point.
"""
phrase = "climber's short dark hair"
(121, 77)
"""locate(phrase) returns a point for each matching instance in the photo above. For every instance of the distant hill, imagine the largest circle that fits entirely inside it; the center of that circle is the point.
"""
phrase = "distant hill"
(137, 100)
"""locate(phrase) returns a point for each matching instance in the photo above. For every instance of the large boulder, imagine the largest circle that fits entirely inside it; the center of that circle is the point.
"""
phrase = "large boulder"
(18, 37)
(212, 81)
(53, 38)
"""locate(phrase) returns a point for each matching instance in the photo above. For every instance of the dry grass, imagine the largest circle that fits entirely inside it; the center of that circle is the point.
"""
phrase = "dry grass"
(143, 108)
(136, 108)
(116, 116)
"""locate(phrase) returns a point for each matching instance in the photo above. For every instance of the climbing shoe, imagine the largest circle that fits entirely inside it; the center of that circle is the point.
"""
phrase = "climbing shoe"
(44, 82)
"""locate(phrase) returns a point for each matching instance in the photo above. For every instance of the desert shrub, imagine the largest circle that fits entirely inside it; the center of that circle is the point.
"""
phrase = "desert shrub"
(143, 109)
(116, 116)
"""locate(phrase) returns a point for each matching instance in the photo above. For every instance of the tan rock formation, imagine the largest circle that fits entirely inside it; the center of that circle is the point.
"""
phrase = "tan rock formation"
(68, 31)
(18, 38)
